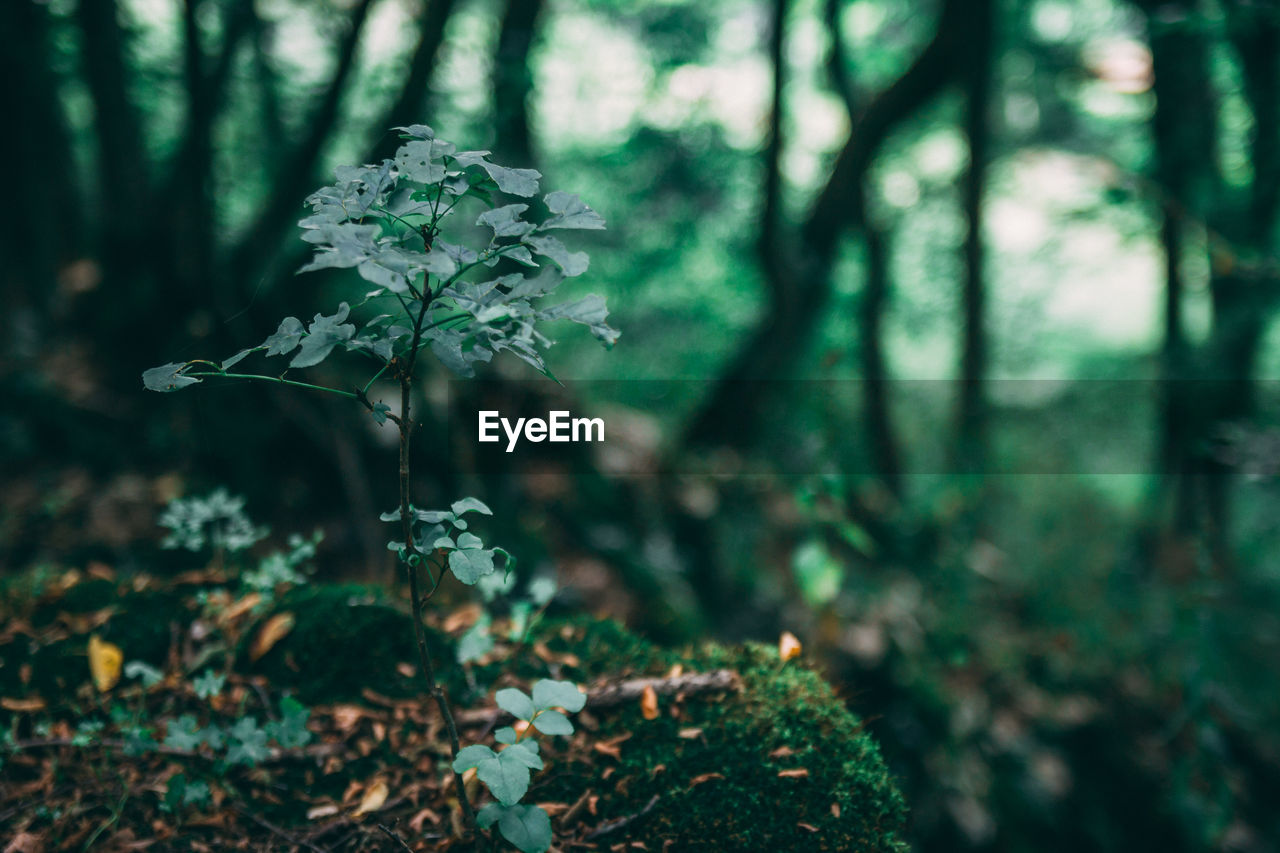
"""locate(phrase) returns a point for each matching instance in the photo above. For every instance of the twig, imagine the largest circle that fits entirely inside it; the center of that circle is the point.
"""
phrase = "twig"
(622, 822)
(391, 833)
(695, 682)
(265, 824)
(318, 750)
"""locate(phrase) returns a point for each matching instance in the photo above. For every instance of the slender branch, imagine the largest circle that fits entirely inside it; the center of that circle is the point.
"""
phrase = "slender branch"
(221, 375)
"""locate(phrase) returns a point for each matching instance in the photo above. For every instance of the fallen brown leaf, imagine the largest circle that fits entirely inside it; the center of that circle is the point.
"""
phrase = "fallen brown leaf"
(374, 797)
(31, 703)
(272, 631)
(705, 777)
(649, 703)
(794, 773)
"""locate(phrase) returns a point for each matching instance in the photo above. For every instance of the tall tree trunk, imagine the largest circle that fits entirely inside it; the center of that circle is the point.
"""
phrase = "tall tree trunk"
(1185, 152)
(875, 297)
(49, 233)
(513, 82)
(299, 173)
(971, 425)
(799, 280)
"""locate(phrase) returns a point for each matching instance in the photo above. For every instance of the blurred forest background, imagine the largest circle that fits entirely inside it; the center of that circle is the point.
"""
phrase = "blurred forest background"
(1055, 602)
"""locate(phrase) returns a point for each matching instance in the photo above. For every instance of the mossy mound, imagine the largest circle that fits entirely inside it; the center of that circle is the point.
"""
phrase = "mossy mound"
(779, 764)
(346, 639)
(45, 651)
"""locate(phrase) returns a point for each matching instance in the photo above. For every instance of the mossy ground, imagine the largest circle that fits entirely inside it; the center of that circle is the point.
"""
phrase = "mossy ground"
(778, 764)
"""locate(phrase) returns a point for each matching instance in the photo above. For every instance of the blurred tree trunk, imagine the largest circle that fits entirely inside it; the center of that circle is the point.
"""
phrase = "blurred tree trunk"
(513, 82)
(971, 422)
(300, 170)
(799, 278)
(875, 297)
(1185, 153)
(411, 105)
(121, 305)
(1241, 233)
(49, 233)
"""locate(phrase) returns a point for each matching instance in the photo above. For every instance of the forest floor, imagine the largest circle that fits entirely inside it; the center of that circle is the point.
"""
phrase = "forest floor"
(180, 714)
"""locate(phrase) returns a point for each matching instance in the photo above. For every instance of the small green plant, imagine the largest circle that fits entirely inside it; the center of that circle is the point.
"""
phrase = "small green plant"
(392, 223)
(505, 772)
(216, 520)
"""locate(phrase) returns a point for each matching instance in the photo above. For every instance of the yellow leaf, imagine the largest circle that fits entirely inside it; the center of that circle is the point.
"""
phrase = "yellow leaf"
(649, 703)
(105, 661)
(374, 796)
(788, 646)
(272, 632)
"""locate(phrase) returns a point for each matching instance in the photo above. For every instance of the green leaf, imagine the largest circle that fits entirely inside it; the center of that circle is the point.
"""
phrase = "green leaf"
(149, 675)
(470, 505)
(290, 731)
(505, 221)
(183, 733)
(325, 334)
(527, 827)
(558, 694)
(525, 752)
(590, 310)
(568, 211)
(209, 684)
(573, 263)
(542, 590)
(167, 377)
(475, 643)
(237, 358)
(248, 742)
(419, 161)
(286, 338)
(818, 574)
(506, 734)
(431, 516)
(472, 756)
(521, 182)
(552, 723)
(507, 775)
(516, 703)
(470, 565)
(416, 131)
(379, 412)
(468, 541)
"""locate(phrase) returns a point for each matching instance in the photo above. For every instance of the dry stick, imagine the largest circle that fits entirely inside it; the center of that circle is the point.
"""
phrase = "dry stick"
(414, 557)
(620, 823)
(619, 693)
(395, 836)
(265, 824)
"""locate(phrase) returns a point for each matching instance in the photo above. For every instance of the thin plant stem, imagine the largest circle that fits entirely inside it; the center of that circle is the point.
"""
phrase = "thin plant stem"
(413, 557)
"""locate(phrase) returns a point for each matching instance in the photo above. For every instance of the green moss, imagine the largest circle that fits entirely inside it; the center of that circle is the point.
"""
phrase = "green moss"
(785, 718)
(345, 638)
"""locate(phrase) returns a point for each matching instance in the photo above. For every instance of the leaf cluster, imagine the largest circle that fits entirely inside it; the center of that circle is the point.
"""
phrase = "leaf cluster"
(388, 223)
(506, 771)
